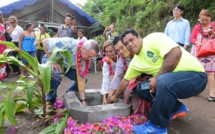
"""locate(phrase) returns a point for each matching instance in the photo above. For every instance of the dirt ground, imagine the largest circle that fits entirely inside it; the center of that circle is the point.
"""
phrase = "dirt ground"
(200, 119)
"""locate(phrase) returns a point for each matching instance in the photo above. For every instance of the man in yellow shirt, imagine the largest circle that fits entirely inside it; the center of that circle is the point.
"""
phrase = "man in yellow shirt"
(176, 75)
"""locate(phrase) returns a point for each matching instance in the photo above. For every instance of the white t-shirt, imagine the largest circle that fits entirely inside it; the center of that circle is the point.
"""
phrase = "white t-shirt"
(16, 33)
(82, 39)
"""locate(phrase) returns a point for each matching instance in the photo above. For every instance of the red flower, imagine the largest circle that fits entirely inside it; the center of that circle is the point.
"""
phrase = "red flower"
(81, 72)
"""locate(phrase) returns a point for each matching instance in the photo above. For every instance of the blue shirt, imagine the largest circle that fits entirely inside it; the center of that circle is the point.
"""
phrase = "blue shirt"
(66, 43)
(28, 44)
(179, 31)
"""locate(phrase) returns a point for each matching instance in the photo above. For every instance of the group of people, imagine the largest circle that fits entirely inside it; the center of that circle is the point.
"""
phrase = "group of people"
(173, 72)
(25, 40)
(178, 29)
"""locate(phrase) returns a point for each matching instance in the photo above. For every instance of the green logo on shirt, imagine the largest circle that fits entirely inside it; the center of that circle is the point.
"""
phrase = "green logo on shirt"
(150, 54)
(154, 57)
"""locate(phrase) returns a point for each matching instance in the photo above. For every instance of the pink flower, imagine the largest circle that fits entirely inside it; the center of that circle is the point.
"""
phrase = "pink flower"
(11, 130)
(59, 104)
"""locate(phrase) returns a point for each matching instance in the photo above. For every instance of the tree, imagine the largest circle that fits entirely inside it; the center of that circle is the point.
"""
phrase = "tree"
(145, 16)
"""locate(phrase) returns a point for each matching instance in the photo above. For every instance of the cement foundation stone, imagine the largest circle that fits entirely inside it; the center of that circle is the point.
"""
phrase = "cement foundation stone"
(95, 111)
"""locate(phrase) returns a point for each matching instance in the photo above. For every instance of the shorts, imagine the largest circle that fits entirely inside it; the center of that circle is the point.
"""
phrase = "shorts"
(24, 61)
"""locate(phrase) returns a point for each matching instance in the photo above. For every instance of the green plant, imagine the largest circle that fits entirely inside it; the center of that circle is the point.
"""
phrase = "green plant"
(100, 39)
(25, 93)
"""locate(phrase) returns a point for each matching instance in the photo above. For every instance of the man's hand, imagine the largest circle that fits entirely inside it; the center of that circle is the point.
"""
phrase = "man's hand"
(185, 47)
(56, 67)
(111, 93)
(73, 22)
(113, 99)
(152, 84)
(107, 28)
(104, 102)
(84, 103)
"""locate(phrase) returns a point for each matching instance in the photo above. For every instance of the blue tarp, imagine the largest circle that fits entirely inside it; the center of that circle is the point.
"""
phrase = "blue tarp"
(20, 4)
(16, 6)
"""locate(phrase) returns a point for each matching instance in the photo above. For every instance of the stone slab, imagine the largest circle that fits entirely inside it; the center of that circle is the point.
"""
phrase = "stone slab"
(94, 112)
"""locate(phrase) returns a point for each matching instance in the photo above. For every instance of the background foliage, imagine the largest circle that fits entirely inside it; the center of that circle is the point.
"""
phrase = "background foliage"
(145, 16)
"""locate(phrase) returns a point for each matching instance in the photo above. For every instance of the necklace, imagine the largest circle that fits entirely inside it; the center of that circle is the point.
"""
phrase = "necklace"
(108, 61)
(125, 67)
(81, 72)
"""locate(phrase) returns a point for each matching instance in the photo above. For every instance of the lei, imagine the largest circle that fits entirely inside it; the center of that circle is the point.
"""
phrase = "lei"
(125, 67)
(108, 61)
(205, 34)
(81, 72)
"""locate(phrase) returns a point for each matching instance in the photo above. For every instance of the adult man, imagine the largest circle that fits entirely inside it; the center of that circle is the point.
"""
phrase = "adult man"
(176, 75)
(178, 29)
(81, 55)
(68, 28)
(121, 65)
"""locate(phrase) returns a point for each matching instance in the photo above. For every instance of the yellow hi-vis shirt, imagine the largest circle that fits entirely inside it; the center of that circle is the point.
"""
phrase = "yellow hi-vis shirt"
(151, 57)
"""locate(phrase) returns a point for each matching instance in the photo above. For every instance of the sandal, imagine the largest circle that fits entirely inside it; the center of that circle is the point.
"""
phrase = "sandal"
(16, 73)
(21, 75)
(210, 98)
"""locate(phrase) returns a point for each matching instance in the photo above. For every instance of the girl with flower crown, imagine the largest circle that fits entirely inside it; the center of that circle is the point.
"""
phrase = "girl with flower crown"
(109, 63)
(202, 32)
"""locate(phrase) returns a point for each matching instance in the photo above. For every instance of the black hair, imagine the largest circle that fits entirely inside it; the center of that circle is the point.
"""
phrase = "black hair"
(179, 7)
(70, 16)
(127, 31)
(81, 30)
(73, 18)
(43, 26)
(27, 25)
(116, 40)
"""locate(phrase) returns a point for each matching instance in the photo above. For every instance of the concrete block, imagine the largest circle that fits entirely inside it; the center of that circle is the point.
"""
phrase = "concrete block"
(95, 111)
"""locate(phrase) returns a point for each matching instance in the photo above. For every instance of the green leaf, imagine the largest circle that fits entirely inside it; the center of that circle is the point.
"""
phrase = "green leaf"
(20, 107)
(38, 111)
(65, 53)
(1, 130)
(62, 125)
(115, 128)
(10, 104)
(13, 60)
(20, 98)
(36, 101)
(45, 75)
(8, 44)
(49, 129)
(1, 115)
(5, 85)
(30, 93)
(32, 61)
